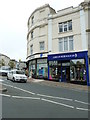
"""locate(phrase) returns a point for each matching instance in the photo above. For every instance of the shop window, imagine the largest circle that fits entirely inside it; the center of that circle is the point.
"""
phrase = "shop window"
(32, 68)
(55, 70)
(78, 70)
(42, 68)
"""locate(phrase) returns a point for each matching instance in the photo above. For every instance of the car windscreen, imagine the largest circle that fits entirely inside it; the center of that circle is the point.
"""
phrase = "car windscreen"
(19, 72)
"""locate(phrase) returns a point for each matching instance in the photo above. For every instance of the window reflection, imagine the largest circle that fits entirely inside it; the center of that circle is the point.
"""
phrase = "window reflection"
(78, 70)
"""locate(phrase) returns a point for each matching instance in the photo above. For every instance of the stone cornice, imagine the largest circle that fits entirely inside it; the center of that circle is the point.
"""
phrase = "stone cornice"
(85, 5)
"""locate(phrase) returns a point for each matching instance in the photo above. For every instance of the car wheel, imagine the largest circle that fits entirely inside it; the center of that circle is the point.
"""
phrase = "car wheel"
(13, 79)
(7, 78)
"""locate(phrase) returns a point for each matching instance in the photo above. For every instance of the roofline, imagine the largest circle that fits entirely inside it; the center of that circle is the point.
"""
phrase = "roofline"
(44, 6)
(4, 55)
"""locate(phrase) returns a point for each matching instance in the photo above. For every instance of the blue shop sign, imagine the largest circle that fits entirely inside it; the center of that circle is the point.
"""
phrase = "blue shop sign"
(68, 56)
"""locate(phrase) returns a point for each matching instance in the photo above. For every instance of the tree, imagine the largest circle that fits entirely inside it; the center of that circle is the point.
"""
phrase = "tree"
(2, 62)
(11, 64)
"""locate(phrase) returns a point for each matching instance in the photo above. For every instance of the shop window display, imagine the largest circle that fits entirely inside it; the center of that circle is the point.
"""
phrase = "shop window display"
(42, 68)
(55, 70)
(78, 70)
(32, 68)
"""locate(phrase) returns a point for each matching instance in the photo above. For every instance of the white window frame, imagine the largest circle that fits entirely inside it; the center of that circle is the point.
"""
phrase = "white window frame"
(68, 44)
(69, 26)
(72, 44)
(65, 25)
(65, 39)
(61, 24)
(61, 40)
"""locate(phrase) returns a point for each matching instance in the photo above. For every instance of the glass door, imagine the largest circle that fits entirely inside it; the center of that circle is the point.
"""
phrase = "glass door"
(63, 74)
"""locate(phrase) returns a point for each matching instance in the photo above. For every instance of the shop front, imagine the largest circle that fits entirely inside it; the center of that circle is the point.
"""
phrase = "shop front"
(69, 67)
(38, 68)
(32, 68)
(42, 68)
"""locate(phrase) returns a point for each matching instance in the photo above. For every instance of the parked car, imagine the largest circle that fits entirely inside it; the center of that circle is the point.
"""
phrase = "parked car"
(17, 75)
(4, 70)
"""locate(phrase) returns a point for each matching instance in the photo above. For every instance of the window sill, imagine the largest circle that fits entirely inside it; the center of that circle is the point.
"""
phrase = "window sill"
(65, 32)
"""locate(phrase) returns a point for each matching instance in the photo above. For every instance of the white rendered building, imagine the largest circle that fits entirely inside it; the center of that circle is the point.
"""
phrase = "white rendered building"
(58, 46)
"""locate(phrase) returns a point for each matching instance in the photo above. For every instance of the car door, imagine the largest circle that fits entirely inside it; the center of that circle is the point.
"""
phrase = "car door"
(9, 75)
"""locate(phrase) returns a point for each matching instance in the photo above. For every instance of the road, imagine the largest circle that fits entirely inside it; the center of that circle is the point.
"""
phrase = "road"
(32, 100)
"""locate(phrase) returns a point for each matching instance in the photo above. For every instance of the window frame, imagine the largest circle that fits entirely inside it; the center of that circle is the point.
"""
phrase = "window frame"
(31, 49)
(32, 35)
(42, 45)
(65, 26)
(62, 40)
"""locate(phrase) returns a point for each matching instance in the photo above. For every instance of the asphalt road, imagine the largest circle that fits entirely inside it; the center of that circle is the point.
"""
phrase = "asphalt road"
(32, 100)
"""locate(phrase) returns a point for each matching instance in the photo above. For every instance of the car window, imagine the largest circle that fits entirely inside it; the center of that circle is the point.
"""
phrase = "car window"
(14, 72)
(19, 72)
(10, 72)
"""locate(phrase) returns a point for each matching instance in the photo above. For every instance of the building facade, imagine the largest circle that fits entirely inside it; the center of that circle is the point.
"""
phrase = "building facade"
(58, 43)
(4, 60)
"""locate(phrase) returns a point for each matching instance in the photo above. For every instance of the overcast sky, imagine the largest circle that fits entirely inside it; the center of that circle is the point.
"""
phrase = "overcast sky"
(14, 15)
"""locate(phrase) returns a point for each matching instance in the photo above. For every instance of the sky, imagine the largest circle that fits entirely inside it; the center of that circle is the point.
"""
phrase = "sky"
(14, 16)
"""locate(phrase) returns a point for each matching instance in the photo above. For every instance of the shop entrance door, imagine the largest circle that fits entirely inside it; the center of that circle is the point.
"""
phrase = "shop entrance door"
(66, 74)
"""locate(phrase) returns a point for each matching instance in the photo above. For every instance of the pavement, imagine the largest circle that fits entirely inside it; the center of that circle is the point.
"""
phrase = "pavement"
(60, 84)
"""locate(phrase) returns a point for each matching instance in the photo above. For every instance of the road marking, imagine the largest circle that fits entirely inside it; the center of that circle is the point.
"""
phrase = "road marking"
(24, 90)
(5, 95)
(1, 80)
(19, 89)
(82, 109)
(54, 97)
(82, 102)
(50, 101)
(20, 97)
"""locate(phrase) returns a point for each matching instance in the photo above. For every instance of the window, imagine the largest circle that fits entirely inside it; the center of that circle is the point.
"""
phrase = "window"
(61, 27)
(42, 45)
(65, 26)
(71, 43)
(32, 19)
(65, 43)
(32, 35)
(60, 45)
(70, 25)
(31, 49)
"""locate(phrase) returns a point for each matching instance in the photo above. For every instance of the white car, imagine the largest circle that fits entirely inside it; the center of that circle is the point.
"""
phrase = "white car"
(17, 75)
